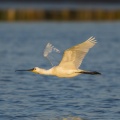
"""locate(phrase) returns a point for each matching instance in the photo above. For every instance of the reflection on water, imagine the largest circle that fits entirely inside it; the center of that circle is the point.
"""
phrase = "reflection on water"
(73, 118)
(28, 96)
(65, 118)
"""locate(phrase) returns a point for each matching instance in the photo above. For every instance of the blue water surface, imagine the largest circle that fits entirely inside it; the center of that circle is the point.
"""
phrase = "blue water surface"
(29, 96)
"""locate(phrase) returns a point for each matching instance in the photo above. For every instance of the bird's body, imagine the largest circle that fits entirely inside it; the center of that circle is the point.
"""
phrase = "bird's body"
(63, 72)
(69, 65)
(59, 72)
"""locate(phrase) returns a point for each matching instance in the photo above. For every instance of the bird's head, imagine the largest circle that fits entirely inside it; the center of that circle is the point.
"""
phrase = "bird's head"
(34, 70)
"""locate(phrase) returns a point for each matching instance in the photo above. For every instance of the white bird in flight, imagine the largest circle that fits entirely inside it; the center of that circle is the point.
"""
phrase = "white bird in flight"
(70, 63)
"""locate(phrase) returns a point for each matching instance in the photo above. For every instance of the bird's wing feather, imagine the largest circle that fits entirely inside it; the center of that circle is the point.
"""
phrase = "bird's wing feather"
(73, 57)
(48, 49)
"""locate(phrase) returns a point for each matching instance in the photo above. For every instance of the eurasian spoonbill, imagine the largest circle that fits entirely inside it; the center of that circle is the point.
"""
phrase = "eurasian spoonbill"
(69, 65)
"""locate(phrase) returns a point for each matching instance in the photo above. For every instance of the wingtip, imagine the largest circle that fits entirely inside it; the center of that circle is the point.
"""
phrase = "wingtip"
(92, 39)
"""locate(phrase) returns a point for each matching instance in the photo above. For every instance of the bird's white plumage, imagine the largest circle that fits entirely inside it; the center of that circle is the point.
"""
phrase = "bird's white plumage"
(72, 59)
(74, 56)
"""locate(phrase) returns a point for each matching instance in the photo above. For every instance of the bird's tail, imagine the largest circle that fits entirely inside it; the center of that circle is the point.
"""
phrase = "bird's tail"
(90, 72)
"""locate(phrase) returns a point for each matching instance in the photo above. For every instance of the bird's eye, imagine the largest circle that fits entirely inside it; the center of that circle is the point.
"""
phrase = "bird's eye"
(34, 68)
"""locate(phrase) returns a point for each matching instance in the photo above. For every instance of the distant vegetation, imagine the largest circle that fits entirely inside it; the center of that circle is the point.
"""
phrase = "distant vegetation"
(59, 15)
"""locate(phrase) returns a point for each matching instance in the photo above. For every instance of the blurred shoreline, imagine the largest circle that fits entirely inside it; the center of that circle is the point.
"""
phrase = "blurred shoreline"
(59, 12)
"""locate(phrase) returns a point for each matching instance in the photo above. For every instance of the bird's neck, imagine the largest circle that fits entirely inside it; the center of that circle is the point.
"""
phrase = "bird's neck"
(45, 72)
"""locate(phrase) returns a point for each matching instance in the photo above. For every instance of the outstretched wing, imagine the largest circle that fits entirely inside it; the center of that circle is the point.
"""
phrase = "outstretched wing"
(48, 49)
(73, 57)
